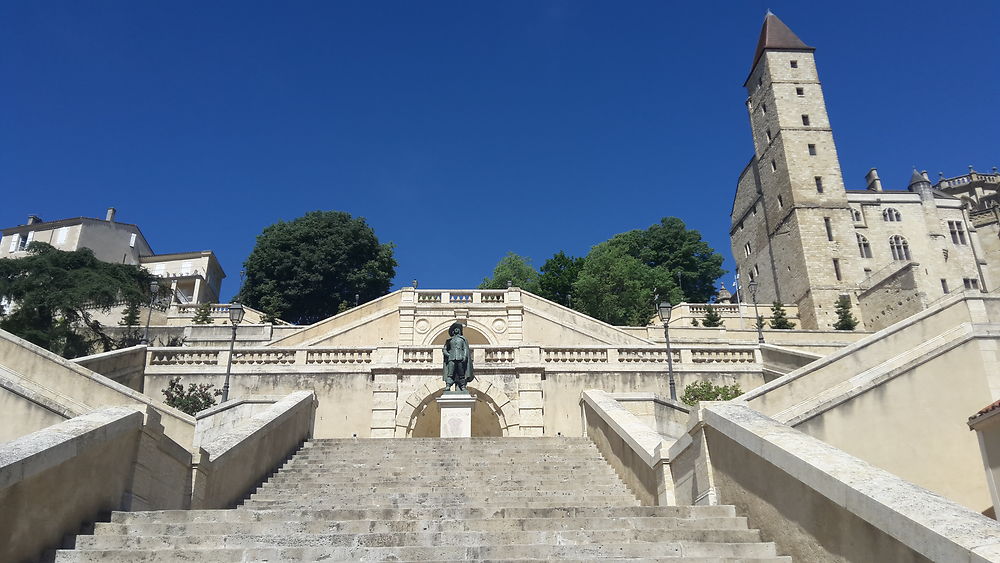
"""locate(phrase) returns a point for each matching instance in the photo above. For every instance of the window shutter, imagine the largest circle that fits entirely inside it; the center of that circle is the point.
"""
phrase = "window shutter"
(61, 235)
(31, 237)
(13, 243)
(131, 241)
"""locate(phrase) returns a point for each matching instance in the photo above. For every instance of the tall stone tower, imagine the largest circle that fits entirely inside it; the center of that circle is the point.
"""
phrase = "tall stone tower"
(792, 229)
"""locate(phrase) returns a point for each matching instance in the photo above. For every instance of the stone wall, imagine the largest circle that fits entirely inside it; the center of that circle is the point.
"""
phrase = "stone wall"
(125, 366)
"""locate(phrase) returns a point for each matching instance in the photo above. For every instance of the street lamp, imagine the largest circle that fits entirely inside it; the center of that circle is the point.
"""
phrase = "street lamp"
(752, 286)
(664, 308)
(235, 316)
(154, 288)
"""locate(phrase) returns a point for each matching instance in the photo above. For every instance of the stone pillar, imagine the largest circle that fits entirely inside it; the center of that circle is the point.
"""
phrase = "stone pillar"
(530, 401)
(384, 391)
(456, 414)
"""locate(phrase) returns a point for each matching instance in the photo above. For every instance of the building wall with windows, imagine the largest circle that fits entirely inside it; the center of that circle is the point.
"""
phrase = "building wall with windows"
(806, 239)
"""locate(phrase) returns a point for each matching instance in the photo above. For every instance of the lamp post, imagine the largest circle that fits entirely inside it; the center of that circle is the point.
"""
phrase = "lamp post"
(664, 308)
(756, 316)
(154, 288)
(235, 316)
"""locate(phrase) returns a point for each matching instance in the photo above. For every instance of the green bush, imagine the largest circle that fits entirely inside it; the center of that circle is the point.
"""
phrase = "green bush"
(707, 391)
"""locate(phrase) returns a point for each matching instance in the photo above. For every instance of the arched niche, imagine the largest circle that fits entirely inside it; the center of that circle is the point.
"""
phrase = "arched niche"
(492, 415)
(476, 336)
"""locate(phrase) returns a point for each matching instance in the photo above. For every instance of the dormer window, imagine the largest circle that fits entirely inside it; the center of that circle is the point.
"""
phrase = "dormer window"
(890, 215)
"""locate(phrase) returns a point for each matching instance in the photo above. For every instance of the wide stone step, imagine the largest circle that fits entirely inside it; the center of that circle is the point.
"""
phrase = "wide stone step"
(681, 548)
(432, 503)
(513, 487)
(211, 528)
(485, 480)
(245, 514)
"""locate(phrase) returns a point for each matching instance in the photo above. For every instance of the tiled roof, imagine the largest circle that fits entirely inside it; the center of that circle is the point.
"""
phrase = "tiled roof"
(774, 34)
(985, 410)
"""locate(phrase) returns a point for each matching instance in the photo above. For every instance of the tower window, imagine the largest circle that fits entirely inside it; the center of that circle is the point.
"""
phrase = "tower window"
(760, 81)
(768, 132)
(781, 202)
(763, 108)
(944, 285)
(899, 248)
(836, 268)
(829, 228)
(805, 120)
(800, 91)
(819, 184)
(891, 215)
(747, 249)
(957, 232)
(856, 215)
(812, 150)
(864, 248)
(971, 283)
(794, 64)
(774, 166)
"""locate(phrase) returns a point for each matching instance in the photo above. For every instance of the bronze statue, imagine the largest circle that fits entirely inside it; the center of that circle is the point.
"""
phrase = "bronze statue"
(457, 360)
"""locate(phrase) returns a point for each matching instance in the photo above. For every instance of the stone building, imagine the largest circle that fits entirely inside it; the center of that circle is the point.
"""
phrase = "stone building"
(806, 239)
(194, 277)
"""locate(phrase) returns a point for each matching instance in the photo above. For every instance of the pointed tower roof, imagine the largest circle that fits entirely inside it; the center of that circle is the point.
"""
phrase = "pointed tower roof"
(917, 180)
(774, 34)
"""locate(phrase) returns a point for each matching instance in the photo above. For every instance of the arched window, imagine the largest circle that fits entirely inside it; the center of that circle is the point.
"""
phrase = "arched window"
(891, 215)
(899, 248)
(856, 215)
(864, 248)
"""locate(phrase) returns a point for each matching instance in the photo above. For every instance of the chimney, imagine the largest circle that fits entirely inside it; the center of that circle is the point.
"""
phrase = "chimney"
(872, 180)
(111, 215)
(34, 219)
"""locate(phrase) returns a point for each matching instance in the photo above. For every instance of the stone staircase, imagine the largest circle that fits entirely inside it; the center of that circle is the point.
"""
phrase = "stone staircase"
(433, 499)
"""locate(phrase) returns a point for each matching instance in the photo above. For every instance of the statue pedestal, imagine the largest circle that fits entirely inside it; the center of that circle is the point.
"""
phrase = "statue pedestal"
(456, 414)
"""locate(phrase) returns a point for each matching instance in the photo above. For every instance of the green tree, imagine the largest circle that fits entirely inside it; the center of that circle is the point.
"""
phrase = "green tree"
(515, 269)
(707, 391)
(617, 288)
(845, 319)
(54, 292)
(558, 274)
(680, 252)
(303, 270)
(130, 326)
(712, 318)
(694, 321)
(203, 314)
(194, 399)
(779, 319)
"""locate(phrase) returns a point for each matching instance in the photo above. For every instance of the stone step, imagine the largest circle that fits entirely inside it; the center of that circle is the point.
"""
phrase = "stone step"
(432, 503)
(471, 488)
(427, 539)
(245, 514)
(491, 480)
(423, 555)
(315, 526)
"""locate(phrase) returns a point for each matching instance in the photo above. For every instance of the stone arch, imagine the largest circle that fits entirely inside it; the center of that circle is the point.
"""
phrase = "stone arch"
(492, 396)
(440, 333)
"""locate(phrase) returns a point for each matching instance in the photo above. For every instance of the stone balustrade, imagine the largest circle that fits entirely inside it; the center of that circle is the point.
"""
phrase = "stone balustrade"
(452, 297)
(163, 360)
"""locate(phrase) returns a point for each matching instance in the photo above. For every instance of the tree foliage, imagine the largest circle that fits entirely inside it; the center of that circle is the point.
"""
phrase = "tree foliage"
(712, 318)
(707, 391)
(516, 270)
(558, 274)
(194, 399)
(51, 293)
(779, 319)
(203, 314)
(303, 270)
(130, 326)
(617, 288)
(845, 319)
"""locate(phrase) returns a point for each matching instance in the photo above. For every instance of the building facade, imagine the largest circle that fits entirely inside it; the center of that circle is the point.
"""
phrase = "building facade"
(195, 277)
(806, 239)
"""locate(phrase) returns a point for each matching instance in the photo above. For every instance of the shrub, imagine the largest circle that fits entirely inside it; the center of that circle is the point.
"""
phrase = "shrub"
(197, 397)
(707, 391)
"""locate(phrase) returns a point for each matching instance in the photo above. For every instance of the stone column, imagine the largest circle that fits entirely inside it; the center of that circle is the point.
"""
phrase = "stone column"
(456, 414)
(530, 403)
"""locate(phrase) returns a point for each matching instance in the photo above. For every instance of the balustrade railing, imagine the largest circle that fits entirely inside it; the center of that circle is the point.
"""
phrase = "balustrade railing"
(184, 357)
(264, 357)
(418, 355)
(339, 356)
(644, 355)
(499, 355)
(460, 298)
(575, 355)
(725, 356)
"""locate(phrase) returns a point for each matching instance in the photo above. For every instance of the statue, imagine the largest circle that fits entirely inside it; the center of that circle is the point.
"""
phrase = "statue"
(457, 360)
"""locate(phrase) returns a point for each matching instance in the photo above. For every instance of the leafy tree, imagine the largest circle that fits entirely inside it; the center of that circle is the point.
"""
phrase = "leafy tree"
(203, 314)
(130, 326)
(694, 321)
(680, 252)
(195, 399)
(515, 269)
(779, 319)
(302, 270)
(712, 318)
(617, 288)
(558, 274)
(707, 391)
(53, 293)
(845, 319)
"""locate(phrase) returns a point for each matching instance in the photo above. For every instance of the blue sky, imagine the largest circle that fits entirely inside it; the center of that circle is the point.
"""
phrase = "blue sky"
(530, 127)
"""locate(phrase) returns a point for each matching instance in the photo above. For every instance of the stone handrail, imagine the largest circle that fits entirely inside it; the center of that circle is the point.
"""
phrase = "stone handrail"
(797, 490)
(479, 296)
